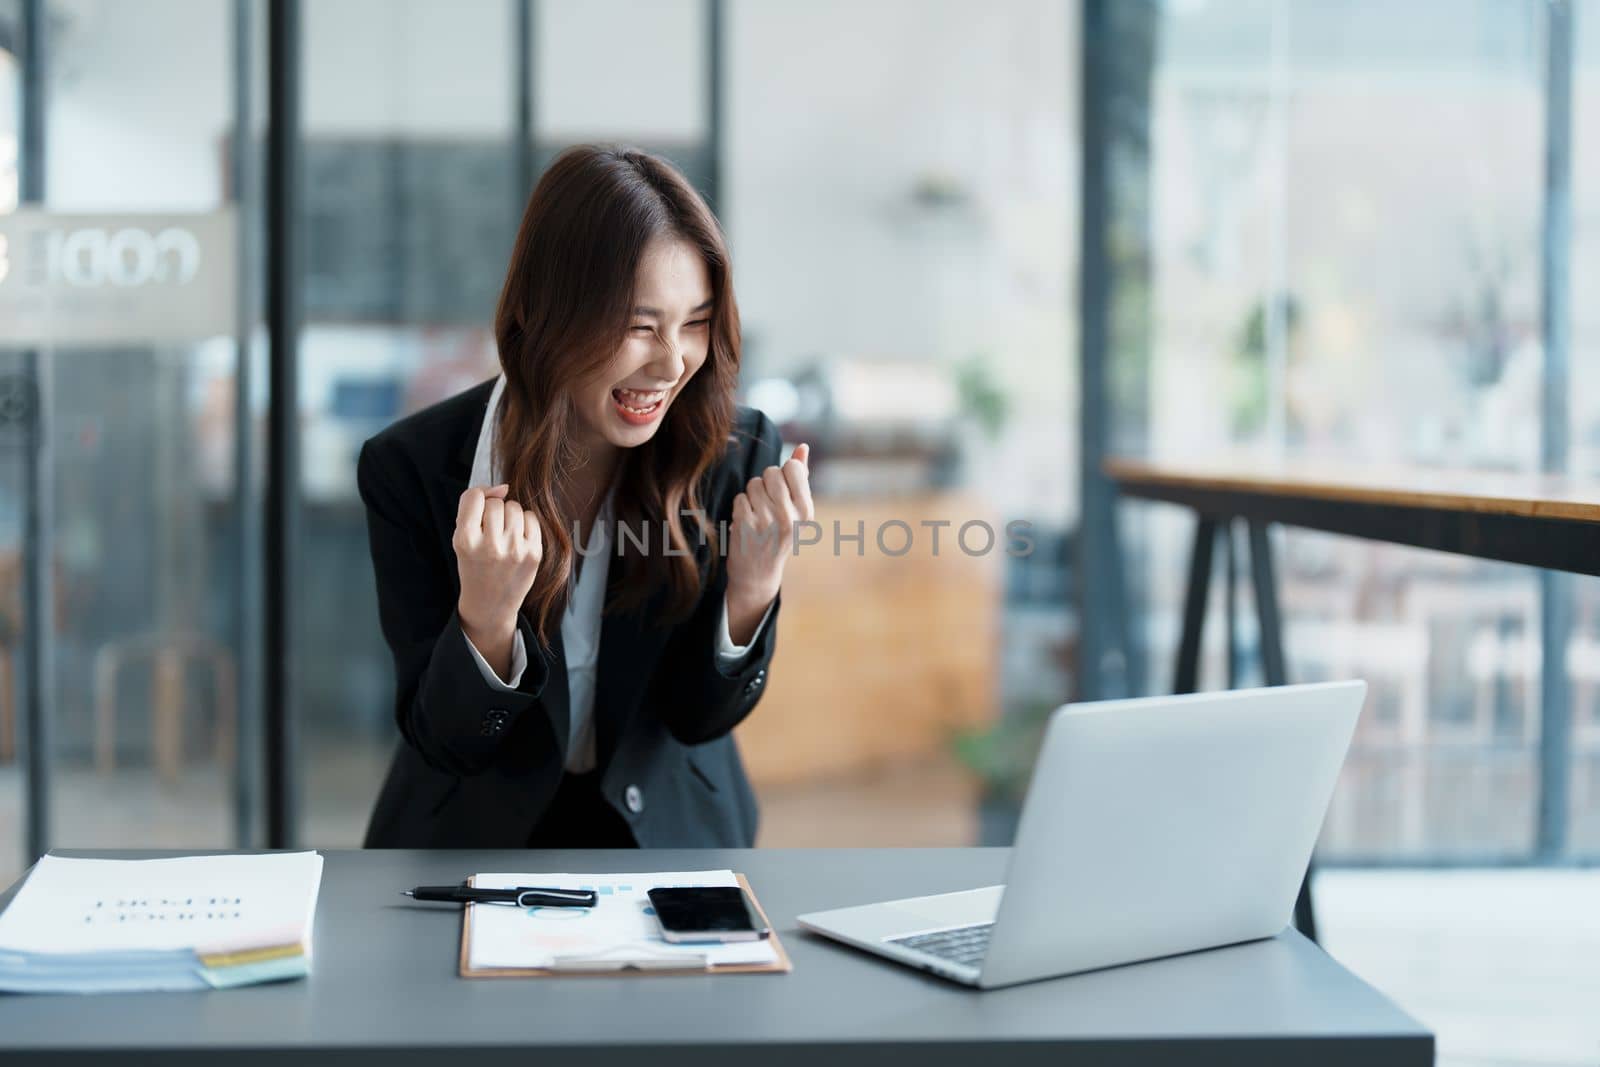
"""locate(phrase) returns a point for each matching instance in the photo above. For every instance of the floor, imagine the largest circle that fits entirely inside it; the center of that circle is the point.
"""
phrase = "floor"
(1503, 965)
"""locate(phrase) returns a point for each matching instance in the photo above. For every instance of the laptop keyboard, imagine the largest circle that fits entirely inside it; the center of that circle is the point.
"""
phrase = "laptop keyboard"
(962, 944)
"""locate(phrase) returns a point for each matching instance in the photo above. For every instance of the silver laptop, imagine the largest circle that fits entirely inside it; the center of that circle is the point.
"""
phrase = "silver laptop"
(1151, 827)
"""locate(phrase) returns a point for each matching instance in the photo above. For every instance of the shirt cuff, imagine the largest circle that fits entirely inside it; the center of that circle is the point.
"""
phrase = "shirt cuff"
(728, 653)
(519, 662)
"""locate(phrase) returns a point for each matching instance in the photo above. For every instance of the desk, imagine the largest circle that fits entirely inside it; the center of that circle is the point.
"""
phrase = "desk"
(384, 990)
(1537, 520)
(1534, 519)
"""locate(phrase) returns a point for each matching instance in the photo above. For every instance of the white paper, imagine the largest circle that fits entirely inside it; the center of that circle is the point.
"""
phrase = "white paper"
(205, 903)
(621, 927)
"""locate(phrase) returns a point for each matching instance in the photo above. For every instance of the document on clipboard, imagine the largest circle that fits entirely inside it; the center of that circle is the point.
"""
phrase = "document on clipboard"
(619, 934)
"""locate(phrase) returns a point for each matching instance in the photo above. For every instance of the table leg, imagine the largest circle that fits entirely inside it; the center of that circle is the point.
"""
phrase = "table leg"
(1265, 581)
(1128, 659)
(1275, 673)
(1230, 615)
(1187, 676)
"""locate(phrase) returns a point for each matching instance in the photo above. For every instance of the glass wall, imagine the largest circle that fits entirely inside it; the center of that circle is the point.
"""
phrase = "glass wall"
(901, 199)
(126, 286)
(1342, 211)
(904, 272)
(411, 201)
(408, 208)
(1346, 213)
(903, 275)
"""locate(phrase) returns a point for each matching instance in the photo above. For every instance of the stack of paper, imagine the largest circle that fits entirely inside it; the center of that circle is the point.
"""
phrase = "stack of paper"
(194, 922)
(621, 931)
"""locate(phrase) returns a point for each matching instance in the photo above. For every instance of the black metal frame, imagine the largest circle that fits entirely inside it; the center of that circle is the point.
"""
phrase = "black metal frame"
(716, 116)
(522, 59)
(247, 543)
(282, 473)
(38, 505)
(1094, 337)
(1116, 55)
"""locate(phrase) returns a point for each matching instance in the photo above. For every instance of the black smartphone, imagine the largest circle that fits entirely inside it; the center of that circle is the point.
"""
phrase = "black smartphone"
(706, 913)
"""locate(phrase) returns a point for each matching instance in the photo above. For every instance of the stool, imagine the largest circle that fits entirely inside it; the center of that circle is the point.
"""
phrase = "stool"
(168, 655)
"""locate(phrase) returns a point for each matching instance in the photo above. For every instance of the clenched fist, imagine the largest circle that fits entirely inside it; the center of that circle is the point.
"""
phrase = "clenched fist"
(762, 536)
(498, 548)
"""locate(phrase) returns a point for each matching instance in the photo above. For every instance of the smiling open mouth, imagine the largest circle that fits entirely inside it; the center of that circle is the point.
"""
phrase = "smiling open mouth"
(638, 406)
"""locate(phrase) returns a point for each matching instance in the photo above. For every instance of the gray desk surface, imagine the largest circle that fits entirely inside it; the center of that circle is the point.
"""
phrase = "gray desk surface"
(384, 989)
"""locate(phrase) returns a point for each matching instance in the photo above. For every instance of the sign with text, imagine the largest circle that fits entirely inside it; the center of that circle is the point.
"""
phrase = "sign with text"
(80, 279)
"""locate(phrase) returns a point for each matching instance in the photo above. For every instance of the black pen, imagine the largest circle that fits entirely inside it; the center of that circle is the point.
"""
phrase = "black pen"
(523, 896)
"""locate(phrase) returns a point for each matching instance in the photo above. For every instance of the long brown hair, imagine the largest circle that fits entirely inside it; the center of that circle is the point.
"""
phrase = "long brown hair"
(563, 313)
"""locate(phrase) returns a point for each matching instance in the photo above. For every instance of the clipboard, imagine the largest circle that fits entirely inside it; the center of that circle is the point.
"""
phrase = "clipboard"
(630, 967)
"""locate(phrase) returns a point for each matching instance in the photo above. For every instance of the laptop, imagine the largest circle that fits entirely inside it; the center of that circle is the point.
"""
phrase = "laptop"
(1151, 827)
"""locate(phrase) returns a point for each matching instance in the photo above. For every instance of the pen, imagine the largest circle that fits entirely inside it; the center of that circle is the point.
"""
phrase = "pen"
(523, 896)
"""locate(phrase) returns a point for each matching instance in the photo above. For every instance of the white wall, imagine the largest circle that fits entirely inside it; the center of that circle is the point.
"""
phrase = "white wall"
(408, 67)
(837, 110)
(139, 100)
(620, 69)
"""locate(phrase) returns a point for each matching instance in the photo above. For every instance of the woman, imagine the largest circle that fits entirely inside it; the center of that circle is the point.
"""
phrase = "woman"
(569, 662)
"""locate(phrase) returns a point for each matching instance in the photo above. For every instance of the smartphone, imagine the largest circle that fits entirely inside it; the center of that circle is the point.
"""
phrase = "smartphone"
(706, 913)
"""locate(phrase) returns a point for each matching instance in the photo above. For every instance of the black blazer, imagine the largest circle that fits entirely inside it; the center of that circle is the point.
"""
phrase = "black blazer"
(478, 766)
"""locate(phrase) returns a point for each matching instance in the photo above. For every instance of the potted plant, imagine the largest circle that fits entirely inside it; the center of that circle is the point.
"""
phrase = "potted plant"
(1002, 755)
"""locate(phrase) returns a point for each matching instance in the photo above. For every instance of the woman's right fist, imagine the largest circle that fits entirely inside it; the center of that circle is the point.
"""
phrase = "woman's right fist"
(498, 547)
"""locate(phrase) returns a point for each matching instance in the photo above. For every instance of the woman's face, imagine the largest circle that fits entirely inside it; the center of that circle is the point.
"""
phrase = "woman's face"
(668, 338)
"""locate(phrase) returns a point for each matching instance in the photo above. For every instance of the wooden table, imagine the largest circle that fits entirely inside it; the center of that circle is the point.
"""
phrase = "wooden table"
(1536, 520)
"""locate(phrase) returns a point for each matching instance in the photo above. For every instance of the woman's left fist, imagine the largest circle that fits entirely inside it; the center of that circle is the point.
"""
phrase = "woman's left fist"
(762, 535)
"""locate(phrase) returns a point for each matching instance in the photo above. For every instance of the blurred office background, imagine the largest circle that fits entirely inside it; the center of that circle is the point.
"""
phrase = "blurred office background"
(1328, 234)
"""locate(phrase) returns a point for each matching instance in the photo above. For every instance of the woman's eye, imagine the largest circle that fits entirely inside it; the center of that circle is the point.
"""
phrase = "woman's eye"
(646, 329)
(697, 323)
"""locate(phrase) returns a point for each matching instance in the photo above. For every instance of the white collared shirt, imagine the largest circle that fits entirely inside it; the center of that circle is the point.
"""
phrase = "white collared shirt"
(580, 623)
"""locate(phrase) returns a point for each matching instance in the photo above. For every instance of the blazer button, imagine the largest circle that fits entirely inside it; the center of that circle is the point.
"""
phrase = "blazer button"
(634, 799)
